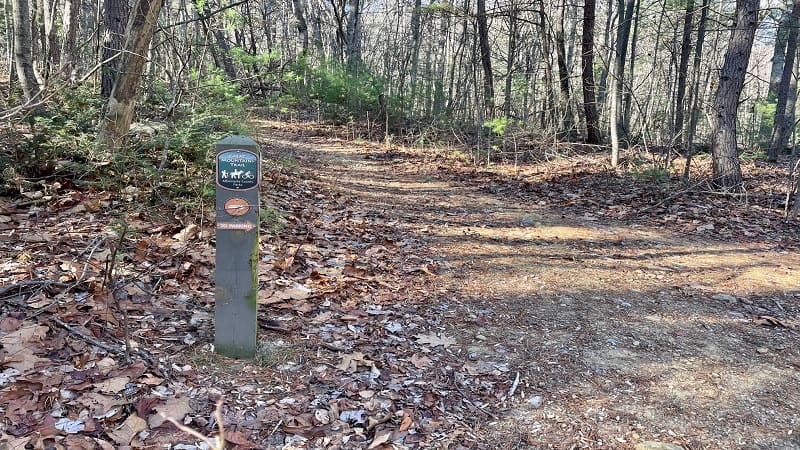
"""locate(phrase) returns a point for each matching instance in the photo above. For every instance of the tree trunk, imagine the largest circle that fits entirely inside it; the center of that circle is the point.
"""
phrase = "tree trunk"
(725, 155)
(563, 75)
(512, 50)
(354, 34)
(628, 96)
(625, 9)
(696, 67)
(224, 53)
(683, 68)
(119, 110)
(22, 49)
(549, 113)
(779, 54)
(602, 90)
(486, 61)
(115, 19)
(72, 14)
(587, 73)
(415, 44)
(782, 126)
(302, 27)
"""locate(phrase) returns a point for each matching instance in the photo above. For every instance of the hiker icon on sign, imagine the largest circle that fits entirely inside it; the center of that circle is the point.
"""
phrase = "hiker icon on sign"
(237, 170)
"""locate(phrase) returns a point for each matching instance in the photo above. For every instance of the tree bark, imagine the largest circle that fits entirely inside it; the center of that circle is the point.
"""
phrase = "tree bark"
(625, 8)
(72, 14)
(115, 19)
(724, 151)
(302, 26)
(781, 127)
(512, 50)
(694, 111)
(587, 73)
(683, 68)
(22, 49)
(415, 45)
(119, 110)
(563, 75)
(353, 34)
(486, 60)
(779, 54)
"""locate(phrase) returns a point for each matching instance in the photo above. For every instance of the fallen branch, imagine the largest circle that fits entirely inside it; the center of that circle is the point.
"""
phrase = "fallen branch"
(99, 344)
(37, 284)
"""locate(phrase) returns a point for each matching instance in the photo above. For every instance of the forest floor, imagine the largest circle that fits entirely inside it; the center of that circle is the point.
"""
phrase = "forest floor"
(411, 300)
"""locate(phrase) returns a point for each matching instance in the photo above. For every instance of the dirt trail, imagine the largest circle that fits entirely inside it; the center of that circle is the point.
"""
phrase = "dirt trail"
(620, 334)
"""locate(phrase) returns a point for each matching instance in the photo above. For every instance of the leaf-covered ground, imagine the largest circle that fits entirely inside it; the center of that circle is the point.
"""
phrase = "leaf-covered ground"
(408, 300)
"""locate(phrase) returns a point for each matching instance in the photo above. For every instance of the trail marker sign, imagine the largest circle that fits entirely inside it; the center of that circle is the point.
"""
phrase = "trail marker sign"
(238, 176)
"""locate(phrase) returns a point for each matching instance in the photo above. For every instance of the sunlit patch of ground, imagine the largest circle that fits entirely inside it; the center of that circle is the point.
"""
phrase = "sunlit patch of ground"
(618, 332)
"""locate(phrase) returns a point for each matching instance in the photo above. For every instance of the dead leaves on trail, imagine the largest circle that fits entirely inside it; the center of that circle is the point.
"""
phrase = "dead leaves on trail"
(352, 355)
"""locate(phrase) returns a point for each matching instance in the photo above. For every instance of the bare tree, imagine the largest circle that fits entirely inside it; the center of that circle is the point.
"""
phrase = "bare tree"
(115, 19)
(725, 154)
(782, 124)
(486, 60)
(683, 68)
(119, 111)
(587, 73)
(23, 41)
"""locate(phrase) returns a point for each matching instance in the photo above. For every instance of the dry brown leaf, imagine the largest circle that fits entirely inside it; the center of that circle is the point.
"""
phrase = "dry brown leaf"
(381, 437)
(351, 362)
(112, 385)
(99, 404)
(12, 443)
(125, 433)
(433, 340)
(406, 423)
(240, 439)
(187, 233)
(9, 324)
(771, 322)
(421, 362)
(176, 408)
(24, 340)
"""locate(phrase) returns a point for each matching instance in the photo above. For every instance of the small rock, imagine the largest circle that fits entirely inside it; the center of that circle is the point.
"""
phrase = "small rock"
(480, 337)
(724, 298)
(535, 401)
(527, 221)
(762, 350)
(654, 445)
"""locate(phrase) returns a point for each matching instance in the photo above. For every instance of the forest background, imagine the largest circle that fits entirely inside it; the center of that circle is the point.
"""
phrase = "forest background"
(673, 78)
(484, 188)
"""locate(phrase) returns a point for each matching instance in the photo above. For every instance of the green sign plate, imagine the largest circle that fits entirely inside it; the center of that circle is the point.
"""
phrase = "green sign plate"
(238, 170)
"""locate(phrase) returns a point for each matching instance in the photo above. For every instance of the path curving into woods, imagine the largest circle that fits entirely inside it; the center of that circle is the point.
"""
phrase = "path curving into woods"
(572, 331)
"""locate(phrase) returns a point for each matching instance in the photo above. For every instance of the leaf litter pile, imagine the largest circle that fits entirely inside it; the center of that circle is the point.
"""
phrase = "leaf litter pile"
(405, 301)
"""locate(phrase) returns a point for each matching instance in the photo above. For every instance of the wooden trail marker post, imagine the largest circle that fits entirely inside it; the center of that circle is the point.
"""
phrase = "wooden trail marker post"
(237, 175)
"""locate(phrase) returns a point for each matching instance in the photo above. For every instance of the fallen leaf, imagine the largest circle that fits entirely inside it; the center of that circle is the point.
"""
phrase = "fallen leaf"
(113, 385)
(380, 438)
(771, 322)
(9, 324)
(406, 423)
(239, 438)
(421, 362)
(351, 362)
(187, 233)
(176, 408)
(433, 340)
(132, 426)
